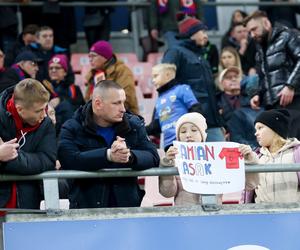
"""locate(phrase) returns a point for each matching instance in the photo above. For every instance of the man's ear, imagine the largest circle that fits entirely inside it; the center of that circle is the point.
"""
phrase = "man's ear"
(266, 23)
(19, 108)
(98, 102)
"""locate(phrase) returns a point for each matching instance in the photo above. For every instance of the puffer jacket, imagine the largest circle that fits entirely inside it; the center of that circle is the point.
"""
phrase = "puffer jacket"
(81, 148)
(279, 65)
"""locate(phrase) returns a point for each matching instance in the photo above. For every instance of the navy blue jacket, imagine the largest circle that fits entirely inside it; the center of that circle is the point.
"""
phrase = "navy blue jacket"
(80, 148)
(36, 156)
(194, 70)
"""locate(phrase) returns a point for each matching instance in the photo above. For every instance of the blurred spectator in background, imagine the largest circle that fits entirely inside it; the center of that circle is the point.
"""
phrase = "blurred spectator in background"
(45, 49)
(97, 23)
(8, 28)
(285, 15)
(234, 107)
(106, 66)
(230, 57)
(59, 18)
(25, 38)
(278, 59)
(26, 66)
(236, 17)
(66, 97)
(245, 46)
(174, 100)
(163, 20)
(194, 70)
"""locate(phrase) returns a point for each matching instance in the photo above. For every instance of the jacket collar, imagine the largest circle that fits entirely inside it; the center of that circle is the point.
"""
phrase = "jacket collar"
(276, 30)
(167, 86)
(85, 115)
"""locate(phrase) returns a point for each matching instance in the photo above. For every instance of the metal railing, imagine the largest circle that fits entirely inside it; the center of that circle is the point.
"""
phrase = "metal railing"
(50, 178)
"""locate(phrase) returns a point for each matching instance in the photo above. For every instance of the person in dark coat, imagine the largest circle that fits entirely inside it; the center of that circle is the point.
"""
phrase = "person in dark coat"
(23, 116)
(66, 97)
(245, 46)
(278, 61)
(26, 66)
(45, 49)
(25, 38)
(102, 136)
(194, 70)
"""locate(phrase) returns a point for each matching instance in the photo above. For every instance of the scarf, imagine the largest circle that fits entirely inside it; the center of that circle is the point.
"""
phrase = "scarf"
(19, 71)
(20, 128)
(188, 7)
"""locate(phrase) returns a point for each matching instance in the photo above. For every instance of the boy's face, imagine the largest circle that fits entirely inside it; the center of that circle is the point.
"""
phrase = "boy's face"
(34, 114)
(160, 77)
(188, 132)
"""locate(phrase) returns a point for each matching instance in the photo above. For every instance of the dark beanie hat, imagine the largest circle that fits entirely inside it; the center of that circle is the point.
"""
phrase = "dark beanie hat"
(277, 120)
(189, 26)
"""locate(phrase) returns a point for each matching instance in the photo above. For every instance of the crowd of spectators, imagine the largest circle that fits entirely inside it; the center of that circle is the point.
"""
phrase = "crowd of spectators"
(258, 69)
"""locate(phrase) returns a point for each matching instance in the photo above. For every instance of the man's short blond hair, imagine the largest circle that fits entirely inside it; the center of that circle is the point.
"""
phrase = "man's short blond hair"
(29, 91)
(165, 67)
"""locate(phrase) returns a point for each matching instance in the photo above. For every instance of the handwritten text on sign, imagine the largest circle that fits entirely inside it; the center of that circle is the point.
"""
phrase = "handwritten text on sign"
(211, 167)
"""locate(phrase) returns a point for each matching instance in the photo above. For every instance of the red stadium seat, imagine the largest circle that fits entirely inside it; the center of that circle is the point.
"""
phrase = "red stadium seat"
(127, 58)
(79, 60)
(154, 58)
(142, 73)
(146, 107)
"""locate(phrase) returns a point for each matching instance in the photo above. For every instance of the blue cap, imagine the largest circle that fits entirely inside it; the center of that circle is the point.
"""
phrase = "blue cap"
(27, 56)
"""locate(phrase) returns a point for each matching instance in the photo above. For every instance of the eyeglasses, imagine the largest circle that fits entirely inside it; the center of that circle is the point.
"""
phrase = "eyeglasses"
(56, 68)
(34, 64)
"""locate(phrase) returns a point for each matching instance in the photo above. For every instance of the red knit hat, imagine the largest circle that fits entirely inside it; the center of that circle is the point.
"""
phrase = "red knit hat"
(189, 26)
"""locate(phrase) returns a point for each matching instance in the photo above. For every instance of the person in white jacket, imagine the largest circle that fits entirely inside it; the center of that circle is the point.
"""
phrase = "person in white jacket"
(271, 132)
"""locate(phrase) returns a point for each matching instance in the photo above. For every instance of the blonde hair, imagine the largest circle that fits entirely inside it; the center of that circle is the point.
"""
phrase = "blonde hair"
(29, 91)
(236, 55)
(278, 142)
(165, 67)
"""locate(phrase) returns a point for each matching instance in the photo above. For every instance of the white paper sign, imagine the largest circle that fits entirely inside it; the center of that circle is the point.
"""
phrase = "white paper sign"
(210, 167)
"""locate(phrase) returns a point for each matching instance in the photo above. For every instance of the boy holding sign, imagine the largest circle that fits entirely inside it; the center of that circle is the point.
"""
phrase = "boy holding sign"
(190, 127)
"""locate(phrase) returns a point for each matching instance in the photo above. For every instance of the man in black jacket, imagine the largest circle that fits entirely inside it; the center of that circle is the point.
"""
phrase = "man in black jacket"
(26, 66)
(278, 61)
(102, 136)
(23, 116)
